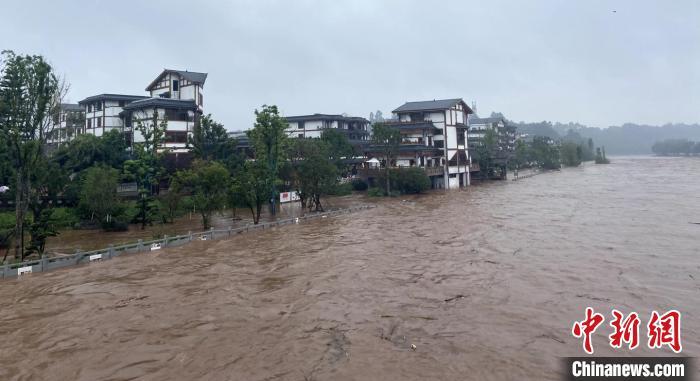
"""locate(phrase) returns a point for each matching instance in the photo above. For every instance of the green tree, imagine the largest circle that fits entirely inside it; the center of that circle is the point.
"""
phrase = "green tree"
(412, 180)
(252, 185)
(147, 169)
(87, 150)
(339, 146)
(545, 153)
(570, 154)
(523, 156)
(386, 141)
(98, 196)
(49, 181)
(209, 182)
(171, 199)
(485, 152)
(269, 139)
(209, 140)
(29, 94)
(316, 171)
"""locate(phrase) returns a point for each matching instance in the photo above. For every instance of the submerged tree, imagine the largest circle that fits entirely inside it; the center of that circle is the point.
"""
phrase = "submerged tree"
(252, 187)
(209, 183)
(485, 153)
(386, 141)
(600, 156)
(570, 154)
(316, 171)
(545, 153)
(268, 139)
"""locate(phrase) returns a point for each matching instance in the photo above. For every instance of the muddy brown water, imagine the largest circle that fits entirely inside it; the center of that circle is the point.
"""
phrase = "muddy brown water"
(484, 282)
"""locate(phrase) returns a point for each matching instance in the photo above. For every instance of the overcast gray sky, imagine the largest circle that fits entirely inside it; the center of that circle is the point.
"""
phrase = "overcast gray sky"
(532, 60)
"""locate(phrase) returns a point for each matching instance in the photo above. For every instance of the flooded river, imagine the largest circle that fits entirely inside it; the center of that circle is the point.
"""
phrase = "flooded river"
(485, 282)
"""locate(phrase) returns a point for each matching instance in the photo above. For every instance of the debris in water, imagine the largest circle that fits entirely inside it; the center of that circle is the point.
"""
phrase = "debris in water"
(413, 346)
(458, 296)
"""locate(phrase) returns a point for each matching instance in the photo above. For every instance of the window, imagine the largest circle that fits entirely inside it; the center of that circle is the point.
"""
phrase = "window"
(176, 85)
(176, 136)
(89, 123)
(300, 135)
(99, 106)
(122, 103)
(90, 107)
(99, 122)
(178, 116)
(201, 100)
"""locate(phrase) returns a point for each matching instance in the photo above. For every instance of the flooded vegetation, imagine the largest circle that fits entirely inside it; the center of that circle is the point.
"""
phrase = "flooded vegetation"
(482, 283)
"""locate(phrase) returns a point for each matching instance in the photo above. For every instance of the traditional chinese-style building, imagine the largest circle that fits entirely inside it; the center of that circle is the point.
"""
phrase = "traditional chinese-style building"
(433, 137)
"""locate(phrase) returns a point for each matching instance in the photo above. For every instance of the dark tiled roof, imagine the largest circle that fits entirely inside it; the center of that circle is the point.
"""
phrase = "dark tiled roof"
(326, 117)
(112, 97)
(166, 103)
(485, 120)
(439, 104)
(192, 76)
(418, 125)
(238, 134)
(71, 107)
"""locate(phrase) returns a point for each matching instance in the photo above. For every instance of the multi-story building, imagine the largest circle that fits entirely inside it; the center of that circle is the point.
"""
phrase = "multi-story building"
(504, 135)
(175, 95)
(102, 112)
(434, 137)
(67, 123)
(179, 84)
(356, 128)
(180, 116)
(504, 132)
(242, 142)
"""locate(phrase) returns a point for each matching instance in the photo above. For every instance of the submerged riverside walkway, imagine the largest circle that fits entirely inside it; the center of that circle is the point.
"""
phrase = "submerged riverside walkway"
(81, 257)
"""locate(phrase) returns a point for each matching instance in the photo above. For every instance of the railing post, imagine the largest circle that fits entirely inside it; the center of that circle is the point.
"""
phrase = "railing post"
(189, 235)
(139, 245)
(111, 252)
(211, 233)
(165, 240)
(229, 231)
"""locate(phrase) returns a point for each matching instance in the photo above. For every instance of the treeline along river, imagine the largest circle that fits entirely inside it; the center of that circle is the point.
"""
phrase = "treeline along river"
(485, 282)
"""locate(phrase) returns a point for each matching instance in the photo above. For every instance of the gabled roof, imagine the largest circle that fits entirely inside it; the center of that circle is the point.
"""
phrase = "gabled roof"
(192, 76)
(112, 97)
(167, 103)
(435, 104)
(327, 117)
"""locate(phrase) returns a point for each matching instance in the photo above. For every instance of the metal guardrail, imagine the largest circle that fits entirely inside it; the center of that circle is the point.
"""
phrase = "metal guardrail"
(82, 257)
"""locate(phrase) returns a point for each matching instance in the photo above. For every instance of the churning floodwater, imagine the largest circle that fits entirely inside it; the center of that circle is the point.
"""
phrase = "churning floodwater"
(485, 282)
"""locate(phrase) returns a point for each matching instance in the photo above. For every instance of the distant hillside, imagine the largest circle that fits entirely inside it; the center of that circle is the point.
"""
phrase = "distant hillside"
(628, 139)
(637, 139)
